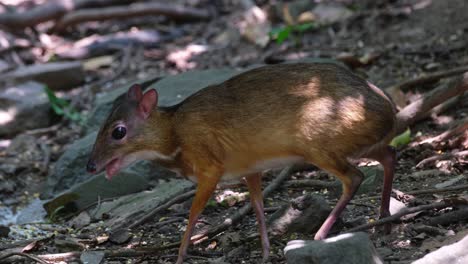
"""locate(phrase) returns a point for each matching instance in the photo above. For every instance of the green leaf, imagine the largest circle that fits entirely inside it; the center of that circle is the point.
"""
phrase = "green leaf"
(53, 99)
(275, 31)
(62, 107)
(402, 139)
(283, 35)
(304, 27)
(211, 203)
(58, 110)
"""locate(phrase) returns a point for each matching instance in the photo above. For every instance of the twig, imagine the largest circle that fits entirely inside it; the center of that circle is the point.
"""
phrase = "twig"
(312, 183)
(133, 10)
(26, 255)
(46, 157)
(405, 85)
(441, 157)
(427, 191)
(178, 199)
(237, 216)
(449, 217)
(61, 256)
(452, 102)
(412, 112)
(403, 212)
(43, 130)
(458, 129)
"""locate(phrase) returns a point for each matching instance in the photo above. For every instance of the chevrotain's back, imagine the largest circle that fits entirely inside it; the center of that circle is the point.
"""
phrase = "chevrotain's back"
(318, 109)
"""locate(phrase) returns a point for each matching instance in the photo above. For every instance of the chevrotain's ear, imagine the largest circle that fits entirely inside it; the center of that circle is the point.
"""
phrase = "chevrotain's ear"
(148, 103)
(134, 92)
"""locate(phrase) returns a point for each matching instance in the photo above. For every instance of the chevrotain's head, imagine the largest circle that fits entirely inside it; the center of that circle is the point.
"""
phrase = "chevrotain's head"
(121, 139)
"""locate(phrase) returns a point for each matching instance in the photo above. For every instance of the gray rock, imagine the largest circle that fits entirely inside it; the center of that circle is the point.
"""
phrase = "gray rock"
(92, 257)
(304, 214)
(120, 236)
(126, 209)
(22, 107)
(81, 220)
(32, 213)
(373, 179)
(351, 248)
(56, 75)
(68, 244)
(70, 168)
(329, 13)
(454, 253)
(133, 179)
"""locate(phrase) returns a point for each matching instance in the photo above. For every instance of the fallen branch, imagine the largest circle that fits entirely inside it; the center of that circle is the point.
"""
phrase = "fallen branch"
(417, 192)
(49, 11)
(450, 103)
(412, 112)
(118, 253)
(435, 158)
(26, 255)
(56, 75)
(424, 79)
(313, 184)
(97, 45)
(449, 217)
(406, 211)
(455, 131)
(178, 199)
(61, 256)
(237, 216)
(138, 9)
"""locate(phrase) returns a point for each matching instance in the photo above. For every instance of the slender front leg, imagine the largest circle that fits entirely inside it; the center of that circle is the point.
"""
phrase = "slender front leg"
(254, 184)
(205, 188)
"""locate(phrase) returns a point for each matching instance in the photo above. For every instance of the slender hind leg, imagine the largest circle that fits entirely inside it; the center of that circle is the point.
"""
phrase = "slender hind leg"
(387, 157)
(254, 183)
(351, 178)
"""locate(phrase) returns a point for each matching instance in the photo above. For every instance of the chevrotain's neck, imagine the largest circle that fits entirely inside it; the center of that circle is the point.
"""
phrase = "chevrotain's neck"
(160, 134)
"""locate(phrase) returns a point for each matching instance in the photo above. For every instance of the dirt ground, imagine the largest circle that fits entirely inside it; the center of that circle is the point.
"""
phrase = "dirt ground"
(403, 44)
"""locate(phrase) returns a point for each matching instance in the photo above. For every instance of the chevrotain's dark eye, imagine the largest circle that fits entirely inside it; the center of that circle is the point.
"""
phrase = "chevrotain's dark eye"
(119, 132)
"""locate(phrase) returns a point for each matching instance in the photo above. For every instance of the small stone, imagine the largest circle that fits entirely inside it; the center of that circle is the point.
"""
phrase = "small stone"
(432, 66)
(120, 236)
(351, 248)
(92, 257)
(4, 231)
(68, 244)
(83, 219)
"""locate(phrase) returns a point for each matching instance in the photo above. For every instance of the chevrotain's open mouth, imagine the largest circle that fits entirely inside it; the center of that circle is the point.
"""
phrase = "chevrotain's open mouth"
(112, 167)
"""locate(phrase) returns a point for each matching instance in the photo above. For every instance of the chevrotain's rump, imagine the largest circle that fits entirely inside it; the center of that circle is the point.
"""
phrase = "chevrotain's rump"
(264, 118)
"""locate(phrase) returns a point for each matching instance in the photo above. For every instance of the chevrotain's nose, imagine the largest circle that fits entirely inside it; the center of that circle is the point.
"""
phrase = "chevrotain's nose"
(91, 167)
